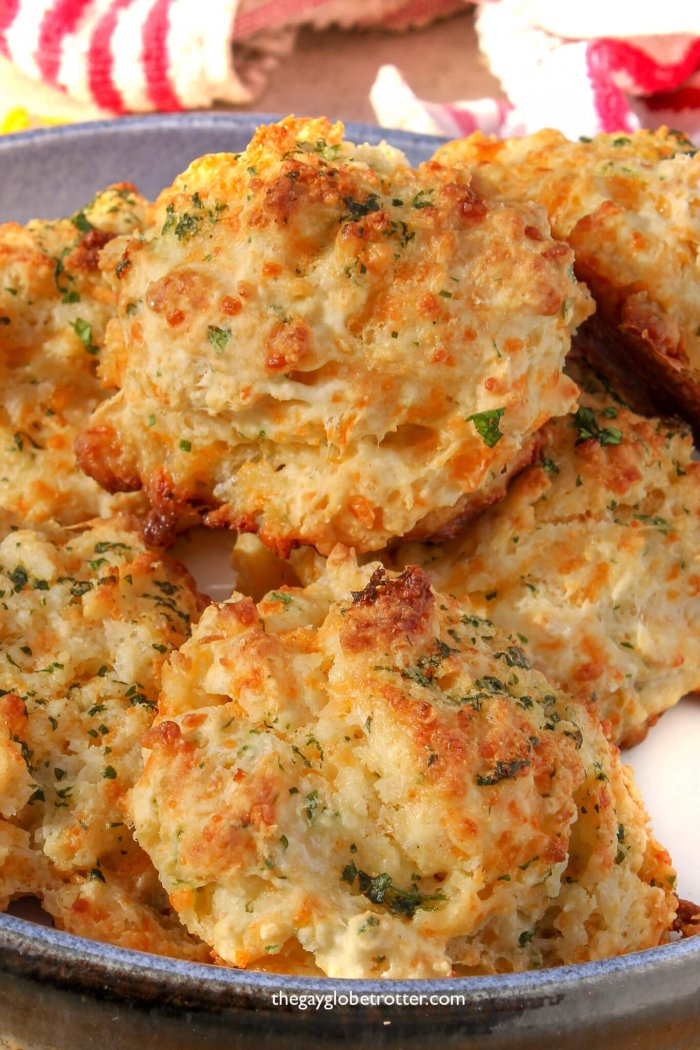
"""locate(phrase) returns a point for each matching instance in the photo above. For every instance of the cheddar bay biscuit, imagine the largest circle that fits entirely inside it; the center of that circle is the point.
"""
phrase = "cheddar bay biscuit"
(628, 205)
(54, 309)
(593, 559)
(87, 618)
(319, 343)
(369, 771)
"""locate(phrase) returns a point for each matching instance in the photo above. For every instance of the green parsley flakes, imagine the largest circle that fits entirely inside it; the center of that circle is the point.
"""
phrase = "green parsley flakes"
(218, 337)
(83, 330)
(487, 425)
(590, 429)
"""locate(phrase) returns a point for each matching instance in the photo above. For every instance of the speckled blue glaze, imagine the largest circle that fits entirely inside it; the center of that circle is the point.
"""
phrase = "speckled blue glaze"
(59, 992)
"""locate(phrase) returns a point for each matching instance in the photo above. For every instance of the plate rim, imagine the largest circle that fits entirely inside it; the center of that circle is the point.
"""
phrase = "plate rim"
(91, 960)
(203, 119)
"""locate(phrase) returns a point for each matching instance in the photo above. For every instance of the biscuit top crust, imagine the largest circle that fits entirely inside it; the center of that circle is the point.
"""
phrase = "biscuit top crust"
(370, 770)
(327, 344)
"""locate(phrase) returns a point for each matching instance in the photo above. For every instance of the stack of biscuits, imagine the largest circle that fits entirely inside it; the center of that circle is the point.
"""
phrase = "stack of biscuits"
(447, 412)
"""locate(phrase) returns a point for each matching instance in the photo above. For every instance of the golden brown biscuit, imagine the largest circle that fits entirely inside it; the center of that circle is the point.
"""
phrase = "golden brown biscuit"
(87, 618)
(325, 344)
(368, 769)
(628, 205)
(54, 308)
(593, 559)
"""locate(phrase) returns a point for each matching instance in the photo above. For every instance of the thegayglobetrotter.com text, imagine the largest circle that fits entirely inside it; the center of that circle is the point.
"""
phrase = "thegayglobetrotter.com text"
(330, 1000)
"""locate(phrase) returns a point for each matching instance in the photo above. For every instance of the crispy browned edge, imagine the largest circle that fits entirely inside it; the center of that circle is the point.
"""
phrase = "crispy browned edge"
(687, 921)
(650, 381)
(101, 454)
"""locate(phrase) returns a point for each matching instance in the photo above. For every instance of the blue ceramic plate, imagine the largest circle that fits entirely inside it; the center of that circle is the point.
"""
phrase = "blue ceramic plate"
(59, 992)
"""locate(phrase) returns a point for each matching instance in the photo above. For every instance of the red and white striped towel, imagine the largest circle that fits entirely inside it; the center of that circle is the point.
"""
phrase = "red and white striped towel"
(140, 55)
(582, 68)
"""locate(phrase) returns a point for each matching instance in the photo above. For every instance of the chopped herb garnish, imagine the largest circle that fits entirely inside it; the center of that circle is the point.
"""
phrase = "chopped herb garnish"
(502, 771)
(313, 801)
(105, 545)
(590, 429)
(357, 209)
(487, 425)
(419, 201)
(143, 701)
(67, 294)
(169, 218)
(218, 337)
(379, 889)
(80, 587)
(186, 226)
(81, 222)
(18, 578)
(515, 657)
(167, 587)
(656, 520)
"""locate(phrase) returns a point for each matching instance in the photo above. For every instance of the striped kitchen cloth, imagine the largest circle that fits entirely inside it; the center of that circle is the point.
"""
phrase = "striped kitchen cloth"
(581, 68)
(140, 55)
